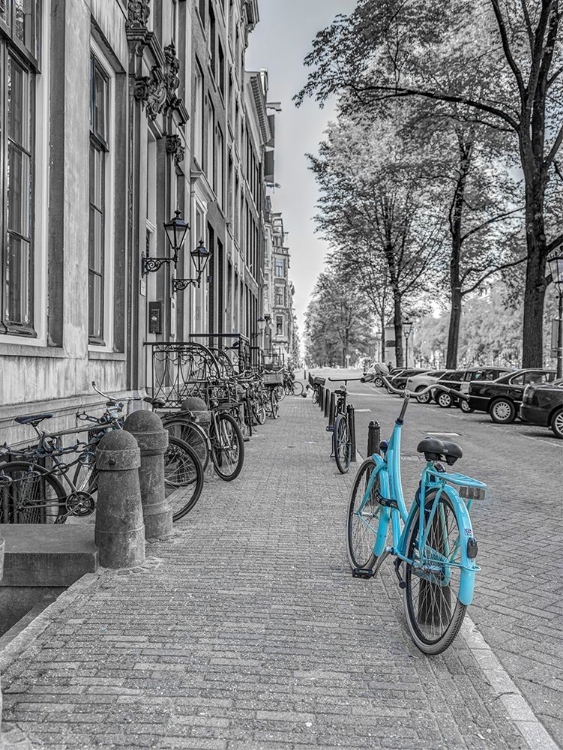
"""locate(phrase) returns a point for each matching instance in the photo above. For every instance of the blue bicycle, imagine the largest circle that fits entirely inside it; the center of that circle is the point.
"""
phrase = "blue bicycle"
(433, 543)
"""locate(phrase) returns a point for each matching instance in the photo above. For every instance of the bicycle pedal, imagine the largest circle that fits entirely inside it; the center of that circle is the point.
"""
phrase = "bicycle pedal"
(363, 573)
(329, 428)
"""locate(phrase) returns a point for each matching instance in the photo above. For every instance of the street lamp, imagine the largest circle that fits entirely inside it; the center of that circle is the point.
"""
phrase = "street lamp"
(200, 257)
(556, 269)
(176, 230)
(407, 330)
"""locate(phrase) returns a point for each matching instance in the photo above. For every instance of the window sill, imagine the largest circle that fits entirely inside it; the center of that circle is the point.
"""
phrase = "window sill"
(16, 349)
(101, 354)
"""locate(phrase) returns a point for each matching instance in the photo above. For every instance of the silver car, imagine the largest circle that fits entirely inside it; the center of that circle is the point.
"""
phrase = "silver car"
(423, 380)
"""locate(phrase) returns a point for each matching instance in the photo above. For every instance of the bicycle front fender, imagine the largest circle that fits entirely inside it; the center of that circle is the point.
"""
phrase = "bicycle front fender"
(468, 565)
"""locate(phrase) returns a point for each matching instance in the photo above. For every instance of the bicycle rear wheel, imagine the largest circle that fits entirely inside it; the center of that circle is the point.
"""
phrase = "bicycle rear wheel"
(433, 611)
(29, 494)
(183, 477)
(227, 447)
(297, 388)
(363, 518)
(191, 433)
(342, 443)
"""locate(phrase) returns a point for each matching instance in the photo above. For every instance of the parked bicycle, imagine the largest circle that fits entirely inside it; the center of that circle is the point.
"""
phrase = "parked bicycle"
(341, 428)
(433, 543)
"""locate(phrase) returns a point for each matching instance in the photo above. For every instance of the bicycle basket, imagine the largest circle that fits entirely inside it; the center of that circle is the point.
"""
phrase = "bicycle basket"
(273, 378)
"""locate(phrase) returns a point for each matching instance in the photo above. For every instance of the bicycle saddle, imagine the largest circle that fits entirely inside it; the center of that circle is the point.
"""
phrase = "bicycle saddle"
(435, 449)
(32, 418)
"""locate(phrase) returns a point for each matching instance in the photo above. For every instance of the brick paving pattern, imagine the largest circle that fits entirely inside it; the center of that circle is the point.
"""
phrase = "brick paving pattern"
(247, 630)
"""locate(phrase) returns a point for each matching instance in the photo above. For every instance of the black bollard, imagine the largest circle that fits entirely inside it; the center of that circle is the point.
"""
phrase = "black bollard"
(152, 439)
(332, 410)
(321, 397)
(352, 428)
(119, 532)
(374, 436)
(327, 402)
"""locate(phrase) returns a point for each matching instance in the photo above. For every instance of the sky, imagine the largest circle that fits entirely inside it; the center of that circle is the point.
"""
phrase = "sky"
(279, 43)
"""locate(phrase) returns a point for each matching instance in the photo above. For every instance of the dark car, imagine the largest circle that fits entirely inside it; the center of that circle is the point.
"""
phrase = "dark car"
(502, 397)
(460, 380)
(542, 403)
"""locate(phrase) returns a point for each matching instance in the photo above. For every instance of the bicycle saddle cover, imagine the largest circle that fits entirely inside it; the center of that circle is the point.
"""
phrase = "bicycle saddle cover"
(30, 418)
(434, 449)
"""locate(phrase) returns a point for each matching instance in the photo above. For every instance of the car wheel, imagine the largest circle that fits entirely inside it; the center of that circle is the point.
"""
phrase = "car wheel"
(378, 382)
(557, 424)
(425, 398)
(464, 406)
(444, 400)
(502, 411)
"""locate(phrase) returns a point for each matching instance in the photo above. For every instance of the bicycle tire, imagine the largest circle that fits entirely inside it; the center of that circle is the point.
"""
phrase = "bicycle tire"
(341, 437)
(182, 470)
(274, 405)
(315, 395)
(297, 388)
(260, 412)
(227, 446)
(362, 525)
(279, 390)
(191, 433)
(36, 487)
(432, 619)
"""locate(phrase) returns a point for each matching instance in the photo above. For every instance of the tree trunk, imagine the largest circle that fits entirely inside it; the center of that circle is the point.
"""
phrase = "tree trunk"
(453, 330)
(382, 321)
(398, 325)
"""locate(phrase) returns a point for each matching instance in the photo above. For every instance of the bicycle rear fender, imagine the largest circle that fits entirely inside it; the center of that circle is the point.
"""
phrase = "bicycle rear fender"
(469, 567)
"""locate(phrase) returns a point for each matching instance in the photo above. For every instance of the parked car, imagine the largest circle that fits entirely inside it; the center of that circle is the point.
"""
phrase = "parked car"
(374, 372)
(460, 380)
(542, 404)
(400, 380)
(422, 380)
(502, 397)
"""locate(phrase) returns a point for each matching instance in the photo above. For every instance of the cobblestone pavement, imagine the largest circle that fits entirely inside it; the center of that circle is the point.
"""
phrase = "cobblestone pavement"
(246, 630)
(519, 593)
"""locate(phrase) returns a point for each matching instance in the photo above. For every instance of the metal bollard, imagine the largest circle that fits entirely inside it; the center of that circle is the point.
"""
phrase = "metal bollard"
(374, 436)
(321, 396)
(332, 410)
(352, 427)
(152, 439)
(327, 402)
(119, 531)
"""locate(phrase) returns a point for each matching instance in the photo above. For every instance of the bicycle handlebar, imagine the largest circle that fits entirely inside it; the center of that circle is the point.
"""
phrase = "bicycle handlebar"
(343, 380)
(428, 389)
(111, 398)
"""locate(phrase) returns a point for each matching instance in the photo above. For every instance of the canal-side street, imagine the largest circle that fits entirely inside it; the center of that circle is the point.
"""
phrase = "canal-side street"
(247, 630)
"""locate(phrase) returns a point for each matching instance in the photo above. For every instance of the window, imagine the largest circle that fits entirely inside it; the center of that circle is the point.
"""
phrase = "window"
(279, 325)
(18, 69)
(211, 39)
(210, 165)
(198, 116)
(99, 148)
(201, 10)
(219, 159)
(279, 267)
(279, 297)
(221, 72)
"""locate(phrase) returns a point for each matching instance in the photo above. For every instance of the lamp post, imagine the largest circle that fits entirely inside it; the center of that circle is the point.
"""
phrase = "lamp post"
(556, 270)
(407, 330)
(200, 257)
(261, 328)
(176, 230)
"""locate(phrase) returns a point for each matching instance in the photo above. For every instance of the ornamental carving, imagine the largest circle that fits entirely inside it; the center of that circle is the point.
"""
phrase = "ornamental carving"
(138, 13)
(151, 91)
(175, 146)
(171, 67)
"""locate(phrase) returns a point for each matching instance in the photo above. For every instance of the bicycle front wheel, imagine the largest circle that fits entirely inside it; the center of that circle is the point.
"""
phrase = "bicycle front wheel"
(183, 477)
(29, 494)
(297, 388)
(342, 443)
(363, 518)
(433, 611)
(227, 447)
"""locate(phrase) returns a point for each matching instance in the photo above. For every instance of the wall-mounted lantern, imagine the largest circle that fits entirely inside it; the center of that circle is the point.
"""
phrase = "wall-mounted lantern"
(176, 230)
(200, 256)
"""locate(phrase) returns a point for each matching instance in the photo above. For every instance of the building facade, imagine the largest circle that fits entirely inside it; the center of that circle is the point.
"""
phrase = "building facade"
(115, 115)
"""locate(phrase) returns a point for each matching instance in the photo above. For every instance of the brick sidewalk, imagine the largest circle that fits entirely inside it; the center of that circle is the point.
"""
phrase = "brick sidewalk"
(248, 631)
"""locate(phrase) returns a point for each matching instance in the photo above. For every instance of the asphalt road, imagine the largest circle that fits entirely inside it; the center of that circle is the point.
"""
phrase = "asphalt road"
(518, 605)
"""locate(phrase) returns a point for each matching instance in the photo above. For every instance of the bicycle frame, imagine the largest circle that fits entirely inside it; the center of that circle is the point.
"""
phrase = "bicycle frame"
(394, 511)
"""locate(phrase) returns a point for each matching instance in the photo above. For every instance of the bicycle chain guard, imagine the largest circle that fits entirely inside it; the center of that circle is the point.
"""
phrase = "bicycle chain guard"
(80, 504)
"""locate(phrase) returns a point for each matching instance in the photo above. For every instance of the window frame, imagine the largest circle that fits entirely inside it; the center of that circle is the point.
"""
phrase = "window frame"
(105, 343)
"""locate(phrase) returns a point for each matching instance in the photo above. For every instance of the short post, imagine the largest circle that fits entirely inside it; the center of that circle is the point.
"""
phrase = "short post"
(374, 436)
(321, 396)
(304, 374)
(310, 380)
(152, 439)
(119, 532)
(327, 402)
(352, 427)
(332, 410)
